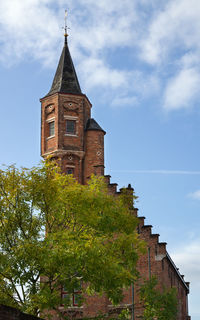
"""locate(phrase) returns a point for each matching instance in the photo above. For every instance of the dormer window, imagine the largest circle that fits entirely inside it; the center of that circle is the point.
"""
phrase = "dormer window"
(71, 127)
(51, 128)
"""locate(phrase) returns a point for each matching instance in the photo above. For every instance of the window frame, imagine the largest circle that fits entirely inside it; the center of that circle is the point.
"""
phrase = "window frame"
(71, 118)
(73, 133)
(49, 125)
(72, 296)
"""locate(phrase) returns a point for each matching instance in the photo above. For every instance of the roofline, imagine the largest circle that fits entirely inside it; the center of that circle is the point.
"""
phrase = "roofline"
(72, 94)
(104, 132)
(177, 272)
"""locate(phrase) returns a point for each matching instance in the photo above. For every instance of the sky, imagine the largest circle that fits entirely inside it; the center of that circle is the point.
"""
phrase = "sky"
(138, 61)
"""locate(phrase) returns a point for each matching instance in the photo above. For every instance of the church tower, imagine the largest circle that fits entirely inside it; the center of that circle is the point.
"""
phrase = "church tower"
(68, 133)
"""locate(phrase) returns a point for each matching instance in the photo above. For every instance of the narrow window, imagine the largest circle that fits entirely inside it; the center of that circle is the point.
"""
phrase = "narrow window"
(51, 128)
(65, 296)
(71, 127)
(77, 295)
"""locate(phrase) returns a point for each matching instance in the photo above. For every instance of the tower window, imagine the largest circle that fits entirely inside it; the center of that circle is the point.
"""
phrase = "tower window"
(51, 128)
(71, 127)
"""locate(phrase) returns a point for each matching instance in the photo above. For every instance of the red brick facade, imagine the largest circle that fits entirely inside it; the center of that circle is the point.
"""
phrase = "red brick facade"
(82, 151)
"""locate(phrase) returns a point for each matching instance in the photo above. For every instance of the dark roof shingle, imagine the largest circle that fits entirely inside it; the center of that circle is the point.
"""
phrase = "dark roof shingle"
(93, 125)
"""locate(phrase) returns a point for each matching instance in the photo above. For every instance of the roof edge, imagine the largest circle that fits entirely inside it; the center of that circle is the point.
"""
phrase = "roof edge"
(177, 272)
(92, 125)
(66, 94)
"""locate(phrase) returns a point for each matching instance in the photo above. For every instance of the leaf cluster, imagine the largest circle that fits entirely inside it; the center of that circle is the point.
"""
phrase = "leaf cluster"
(158, 304)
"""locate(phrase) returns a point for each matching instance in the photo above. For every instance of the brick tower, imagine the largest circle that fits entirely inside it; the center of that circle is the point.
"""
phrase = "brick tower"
(68, 133)
(72, 137)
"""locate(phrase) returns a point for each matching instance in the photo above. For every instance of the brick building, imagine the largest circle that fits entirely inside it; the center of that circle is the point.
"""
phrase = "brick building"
(68, 133)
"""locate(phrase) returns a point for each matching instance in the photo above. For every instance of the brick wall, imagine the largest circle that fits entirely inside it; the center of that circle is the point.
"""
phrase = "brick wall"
(94, 155)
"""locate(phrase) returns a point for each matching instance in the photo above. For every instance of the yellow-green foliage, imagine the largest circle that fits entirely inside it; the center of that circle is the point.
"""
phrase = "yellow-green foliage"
(54, 228)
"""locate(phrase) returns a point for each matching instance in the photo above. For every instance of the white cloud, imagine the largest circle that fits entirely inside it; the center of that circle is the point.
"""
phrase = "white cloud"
(96, 73)
(182, 89)
(163, 33)
(195, 195)
(187, 259)
(31, 29)
(171, 45)
(28, 28)
(175, 26)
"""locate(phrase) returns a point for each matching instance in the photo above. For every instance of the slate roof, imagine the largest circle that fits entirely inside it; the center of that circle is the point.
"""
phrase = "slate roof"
(65, 79)
(93, 125)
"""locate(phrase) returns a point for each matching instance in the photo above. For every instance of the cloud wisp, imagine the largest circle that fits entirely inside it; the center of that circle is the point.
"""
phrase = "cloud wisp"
(166, 172)
(194, 195)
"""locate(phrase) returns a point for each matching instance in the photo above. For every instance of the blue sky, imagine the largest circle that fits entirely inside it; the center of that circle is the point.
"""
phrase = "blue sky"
(138, 61)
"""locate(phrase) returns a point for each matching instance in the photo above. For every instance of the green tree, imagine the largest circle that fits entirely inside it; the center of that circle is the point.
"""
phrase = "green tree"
(158, 305)
(54, 232)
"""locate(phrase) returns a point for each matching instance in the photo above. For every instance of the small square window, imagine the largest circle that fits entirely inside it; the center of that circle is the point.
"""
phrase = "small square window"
(51, 128)
(70, 171)
(75, 298)
(71, 126)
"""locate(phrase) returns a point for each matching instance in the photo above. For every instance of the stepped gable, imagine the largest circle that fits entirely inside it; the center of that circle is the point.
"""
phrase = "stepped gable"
(155, 262)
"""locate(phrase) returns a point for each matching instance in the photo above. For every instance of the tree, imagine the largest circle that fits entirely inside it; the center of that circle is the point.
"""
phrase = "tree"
(54, 232)
(158, 305)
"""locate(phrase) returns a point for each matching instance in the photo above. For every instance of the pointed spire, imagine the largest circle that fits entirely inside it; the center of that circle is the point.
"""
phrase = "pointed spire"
(65, 79)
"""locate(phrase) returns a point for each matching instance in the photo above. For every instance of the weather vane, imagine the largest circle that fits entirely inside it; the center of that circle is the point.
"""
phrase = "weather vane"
(66, 28)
